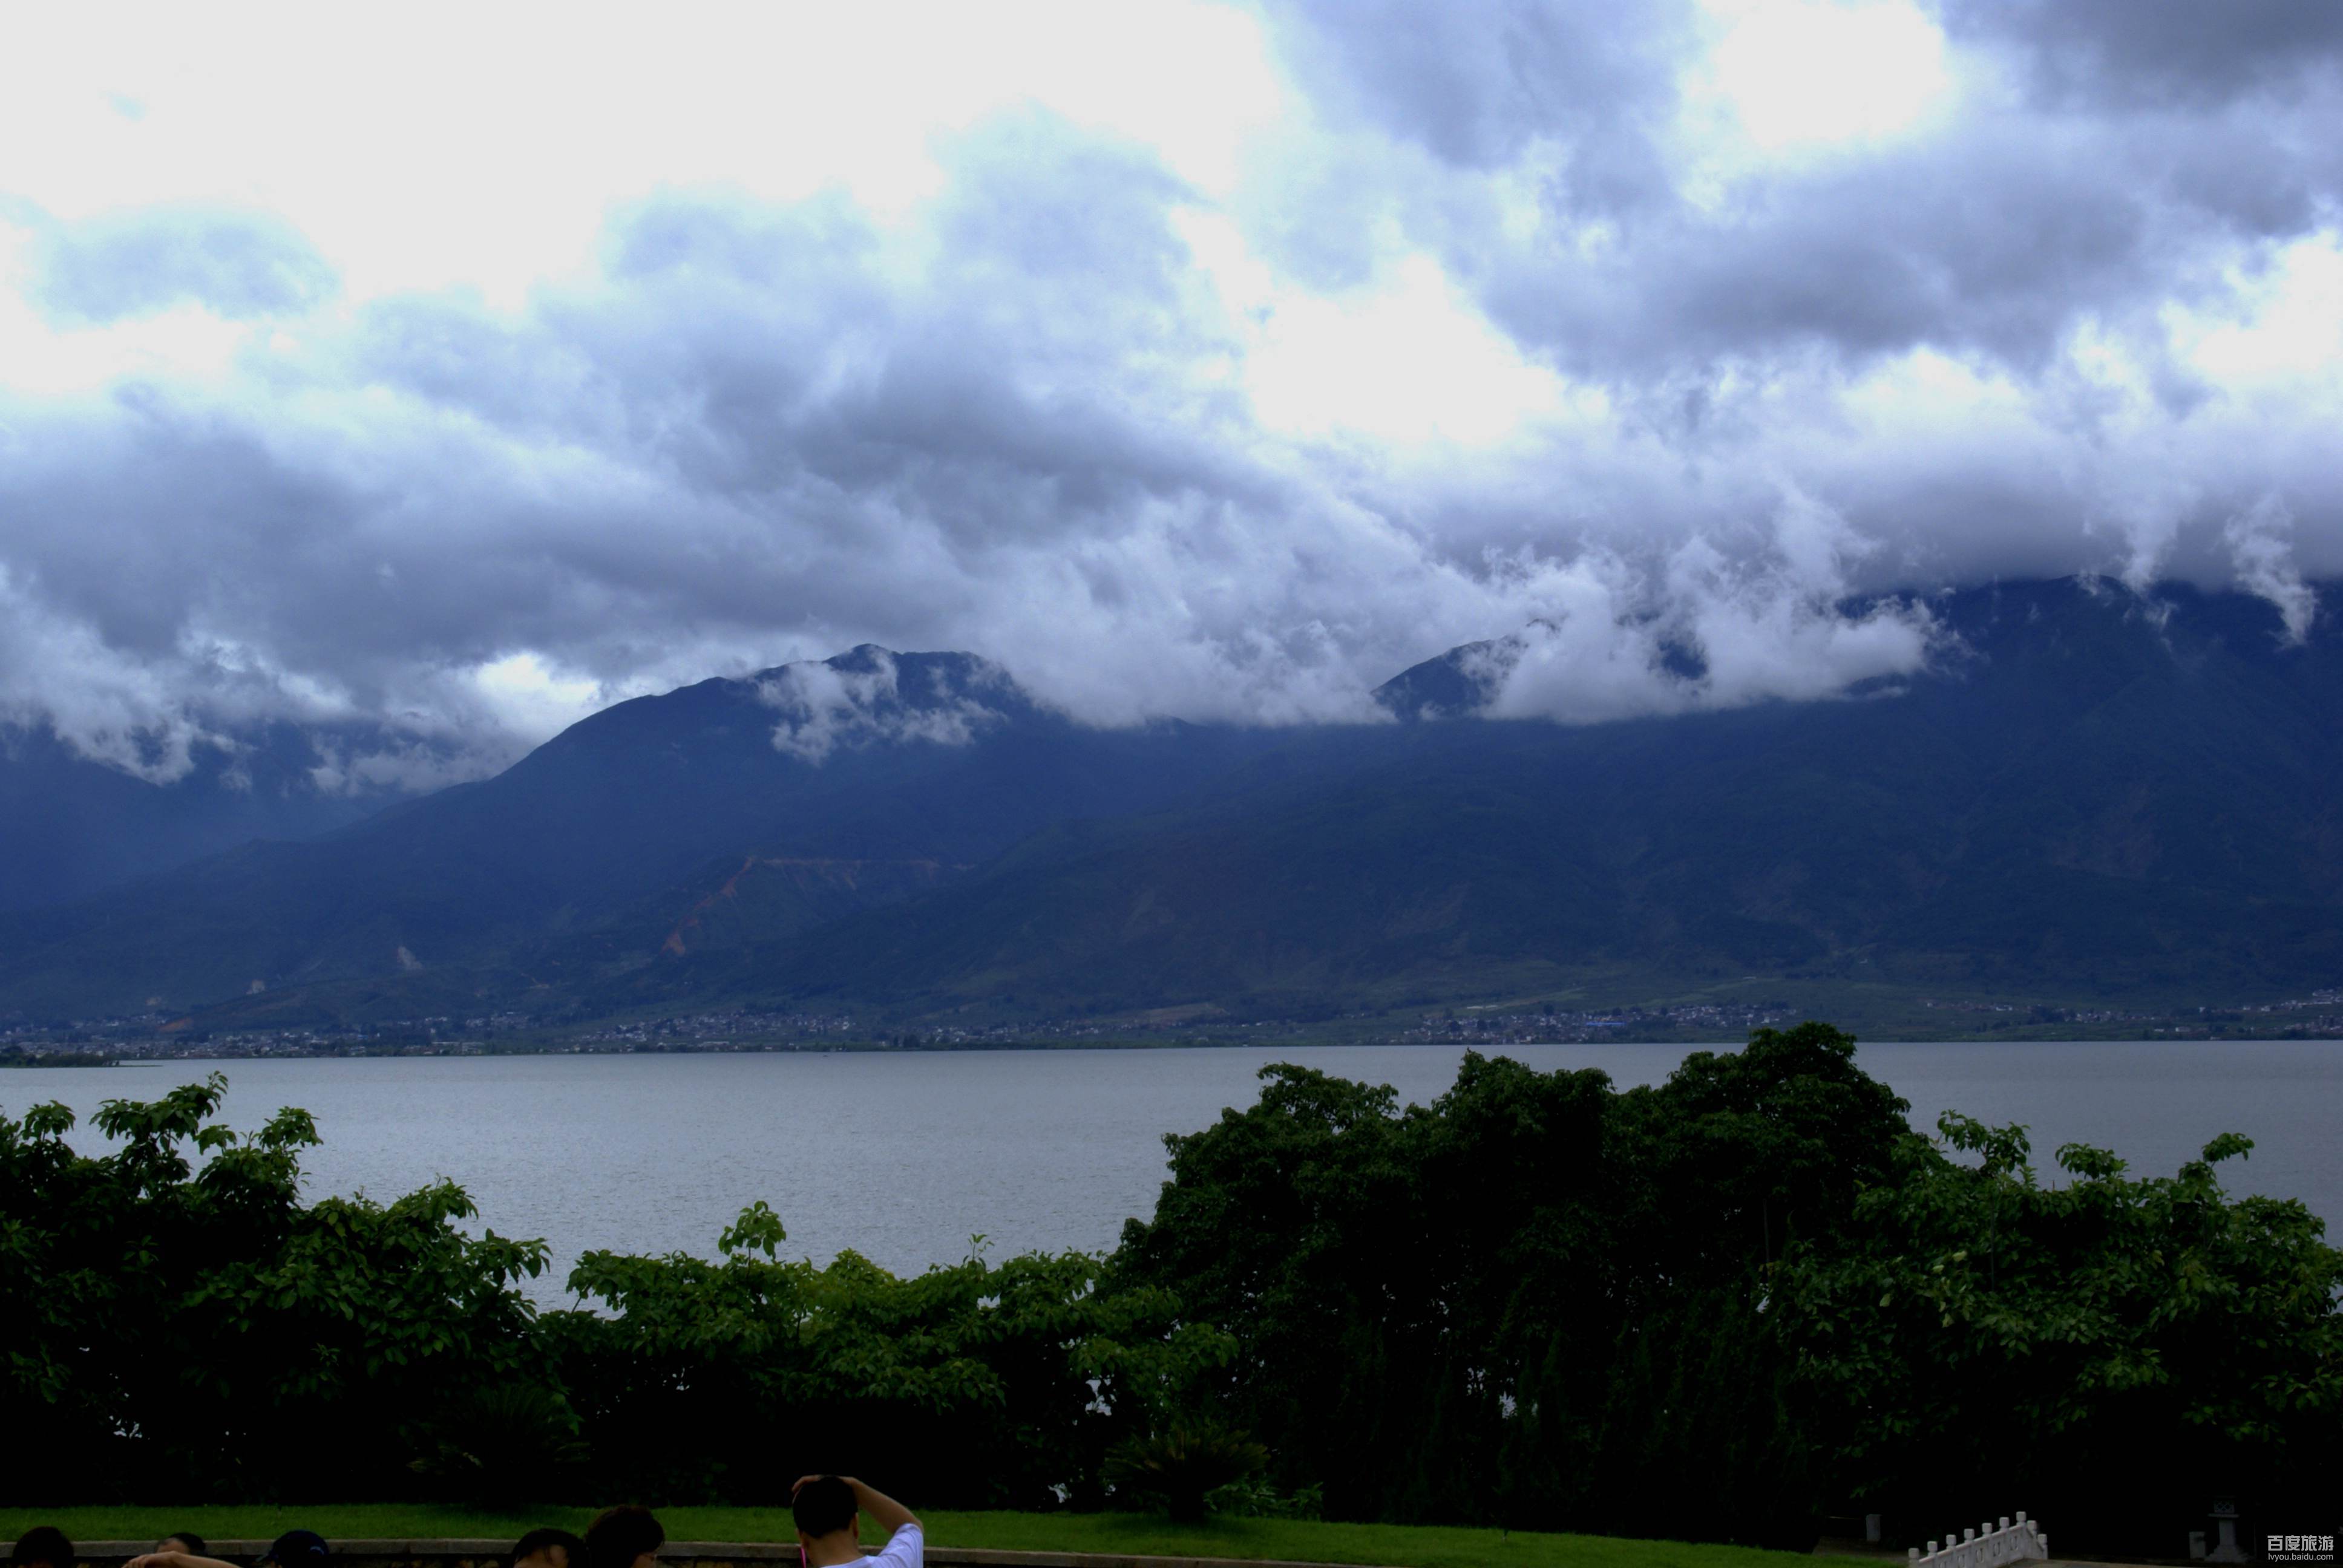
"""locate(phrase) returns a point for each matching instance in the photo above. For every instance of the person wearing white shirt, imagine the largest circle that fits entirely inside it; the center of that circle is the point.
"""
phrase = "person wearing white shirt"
(828, 1512)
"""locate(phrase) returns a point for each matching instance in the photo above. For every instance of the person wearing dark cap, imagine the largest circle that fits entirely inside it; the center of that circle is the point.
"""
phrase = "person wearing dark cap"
(295, 1549)
(627, 1536)
(547, 1549)
(44, 1545)
(828, 1512)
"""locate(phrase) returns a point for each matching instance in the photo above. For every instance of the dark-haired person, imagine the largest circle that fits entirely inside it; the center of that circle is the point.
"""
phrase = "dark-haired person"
(627, 1536)
(44, 1545)
(188, 1543)
(829, 1509)
(547, 1549)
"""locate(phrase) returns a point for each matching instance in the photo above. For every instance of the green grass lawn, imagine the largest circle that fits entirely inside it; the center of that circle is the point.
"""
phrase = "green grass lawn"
(1140, 1534)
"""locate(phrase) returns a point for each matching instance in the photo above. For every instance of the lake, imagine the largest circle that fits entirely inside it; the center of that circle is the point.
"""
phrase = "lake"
(905, 1157)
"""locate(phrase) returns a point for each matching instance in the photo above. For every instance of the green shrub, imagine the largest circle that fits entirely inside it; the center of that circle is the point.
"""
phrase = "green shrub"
(1183, 1466)
(504, 1447)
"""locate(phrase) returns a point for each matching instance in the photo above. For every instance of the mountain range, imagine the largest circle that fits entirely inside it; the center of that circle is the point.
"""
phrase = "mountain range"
(2089, 794)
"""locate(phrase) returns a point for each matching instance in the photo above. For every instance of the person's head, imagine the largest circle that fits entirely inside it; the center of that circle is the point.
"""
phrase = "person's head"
(823, 1508)
(549, 1549)
(626, 1536)
(295, 1549)
(185, 1541)
(44, 1543)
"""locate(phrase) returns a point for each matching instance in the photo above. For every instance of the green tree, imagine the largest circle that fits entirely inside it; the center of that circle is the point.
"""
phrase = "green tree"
(2109, 1352)
(1446, 1311)
(979, 1385)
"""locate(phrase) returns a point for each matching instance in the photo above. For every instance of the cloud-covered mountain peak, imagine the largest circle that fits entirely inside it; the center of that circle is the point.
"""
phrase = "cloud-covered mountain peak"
(1457, 684)
(871, 694)
(1708, 652)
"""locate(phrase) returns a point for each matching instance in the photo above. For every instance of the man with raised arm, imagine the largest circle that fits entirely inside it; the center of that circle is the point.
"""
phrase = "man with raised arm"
(828, 1511)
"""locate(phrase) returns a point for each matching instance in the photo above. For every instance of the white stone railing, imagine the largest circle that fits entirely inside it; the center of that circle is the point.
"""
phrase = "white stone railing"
(1987, 1547)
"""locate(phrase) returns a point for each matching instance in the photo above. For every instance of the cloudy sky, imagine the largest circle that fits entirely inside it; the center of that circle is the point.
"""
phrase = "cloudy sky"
(465, 369)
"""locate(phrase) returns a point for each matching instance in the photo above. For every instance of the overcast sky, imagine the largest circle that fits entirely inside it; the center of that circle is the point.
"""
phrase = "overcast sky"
(468, 367)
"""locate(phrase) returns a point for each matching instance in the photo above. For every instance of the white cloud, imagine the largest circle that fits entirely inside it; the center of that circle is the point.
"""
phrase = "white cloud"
(1712, 631)
(2260, 545)
(824, 707)
(1407, 360)
(529, 698)
(458, 147)
(1801, 74)
(109, 706)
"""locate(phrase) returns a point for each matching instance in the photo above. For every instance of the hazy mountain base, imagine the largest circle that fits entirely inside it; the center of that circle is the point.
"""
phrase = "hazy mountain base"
(71, 827)
(2094, 804)
(1534, 1004)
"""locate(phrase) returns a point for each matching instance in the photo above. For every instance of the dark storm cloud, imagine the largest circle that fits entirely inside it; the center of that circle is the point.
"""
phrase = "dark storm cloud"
(997, 395)
(2130, 54)
(238, 265)
(1030, 385)
(1995, 237)
(1479, 82)
(1996, 243)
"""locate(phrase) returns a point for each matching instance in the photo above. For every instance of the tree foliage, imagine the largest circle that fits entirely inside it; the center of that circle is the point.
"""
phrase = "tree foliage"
(183, 1329)
(976, 1384)
(1469, 1309)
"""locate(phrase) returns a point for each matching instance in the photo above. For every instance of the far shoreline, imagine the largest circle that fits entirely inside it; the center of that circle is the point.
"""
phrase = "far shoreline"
(458, 1051)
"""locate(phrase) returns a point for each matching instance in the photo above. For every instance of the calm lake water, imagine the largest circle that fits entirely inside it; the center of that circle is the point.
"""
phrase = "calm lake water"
(905, 1157)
